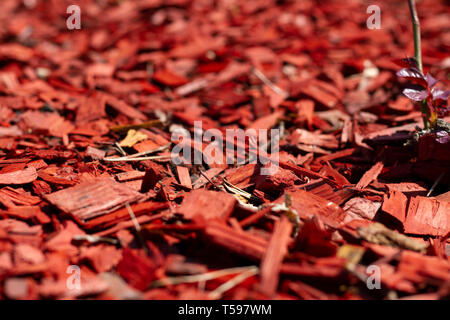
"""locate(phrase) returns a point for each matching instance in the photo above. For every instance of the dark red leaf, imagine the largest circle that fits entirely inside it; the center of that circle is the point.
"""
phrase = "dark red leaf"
(406, 63)
(413, 75)
(416, 95)
(430, 80)
(439, 94)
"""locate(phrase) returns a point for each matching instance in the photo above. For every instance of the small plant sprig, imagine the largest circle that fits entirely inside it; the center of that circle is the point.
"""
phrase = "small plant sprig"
(422, 87)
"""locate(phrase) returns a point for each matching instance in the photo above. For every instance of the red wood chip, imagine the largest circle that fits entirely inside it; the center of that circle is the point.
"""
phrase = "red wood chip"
(94, 153)
(278, 181)
(17, 288)
(94, 198)
(361, 208)
(101, 257)
(137, 269)
(123, 107)
(444, 197)
(395, 203)
(370, 175)
(32, 213)
(198, 204)
(24, 176)
(308, 205)
(168, 78)
(428, 217)
(239, 242)
(305, 137)
(409, 188)
(273, 257)
(184, 177)
(150, 179)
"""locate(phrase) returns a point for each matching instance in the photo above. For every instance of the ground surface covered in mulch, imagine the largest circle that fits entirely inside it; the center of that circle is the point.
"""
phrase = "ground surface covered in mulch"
(356, 210)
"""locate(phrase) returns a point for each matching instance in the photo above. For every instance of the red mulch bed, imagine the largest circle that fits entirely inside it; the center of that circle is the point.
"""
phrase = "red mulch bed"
(349, 193)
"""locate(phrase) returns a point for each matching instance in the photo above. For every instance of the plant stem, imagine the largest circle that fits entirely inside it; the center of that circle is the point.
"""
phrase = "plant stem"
(416, 31)
(418, 55)
(425, 116)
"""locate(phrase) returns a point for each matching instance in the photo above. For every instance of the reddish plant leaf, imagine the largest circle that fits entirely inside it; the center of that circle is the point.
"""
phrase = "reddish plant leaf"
(416, 95)
(413, 75)
(439, 94)
(406, 62)
(430, 80)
